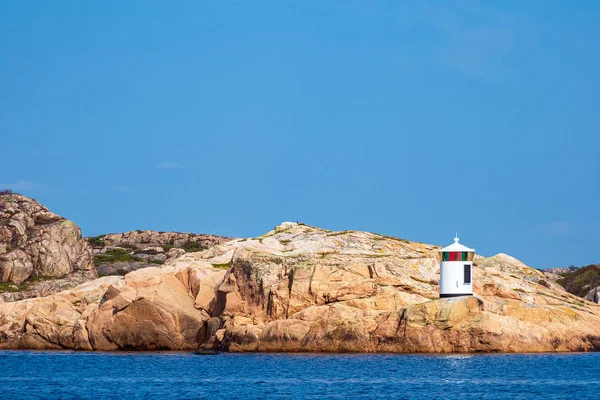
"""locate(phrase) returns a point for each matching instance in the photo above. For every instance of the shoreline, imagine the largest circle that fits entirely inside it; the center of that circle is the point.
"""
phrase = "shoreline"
(299, 353)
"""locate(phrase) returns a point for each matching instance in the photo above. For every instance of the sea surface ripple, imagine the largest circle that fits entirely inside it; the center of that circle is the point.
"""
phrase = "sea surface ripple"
(165, 375)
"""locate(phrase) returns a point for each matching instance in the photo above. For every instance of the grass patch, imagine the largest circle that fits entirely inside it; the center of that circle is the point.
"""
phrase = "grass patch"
(12, 287)
(281, 230)
(97, 241)
(392, 238)
(112, 256)
(552, 297)
(159, 262)
(222, 266)
(191, 247)
(168, 247)
(340, 233)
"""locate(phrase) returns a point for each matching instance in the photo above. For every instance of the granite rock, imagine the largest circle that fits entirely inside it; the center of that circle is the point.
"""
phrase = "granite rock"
(301, 288)
(35, 242)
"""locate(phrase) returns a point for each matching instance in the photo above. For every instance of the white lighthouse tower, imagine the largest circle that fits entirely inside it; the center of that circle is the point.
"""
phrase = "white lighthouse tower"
(456, 270)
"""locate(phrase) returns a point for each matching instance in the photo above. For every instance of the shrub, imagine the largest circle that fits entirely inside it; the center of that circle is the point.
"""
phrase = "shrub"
(6, 192)
(191, 247)
(97, 241)
(12, 287)
(581, 281)
(113, 255)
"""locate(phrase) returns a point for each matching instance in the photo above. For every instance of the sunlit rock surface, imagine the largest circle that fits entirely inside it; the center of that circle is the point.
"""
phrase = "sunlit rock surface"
(36, 243)
(300, 288)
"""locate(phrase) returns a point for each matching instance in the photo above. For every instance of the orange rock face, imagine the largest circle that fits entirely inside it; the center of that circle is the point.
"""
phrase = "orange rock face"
(299, 288)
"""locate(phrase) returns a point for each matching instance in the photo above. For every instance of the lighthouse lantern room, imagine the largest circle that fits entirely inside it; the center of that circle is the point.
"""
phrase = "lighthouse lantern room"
(456, 270)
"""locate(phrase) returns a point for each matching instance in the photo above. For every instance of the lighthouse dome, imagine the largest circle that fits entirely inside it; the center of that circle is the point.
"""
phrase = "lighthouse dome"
(456, 247)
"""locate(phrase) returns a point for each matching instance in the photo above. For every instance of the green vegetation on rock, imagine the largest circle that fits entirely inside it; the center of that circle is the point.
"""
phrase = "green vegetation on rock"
(191, 247)
(97, 241)
(581, 281)
(222, 266)
(113, 255)
(11, 287)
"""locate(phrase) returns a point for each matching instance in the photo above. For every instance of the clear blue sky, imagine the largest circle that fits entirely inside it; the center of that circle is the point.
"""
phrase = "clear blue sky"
(413, 119)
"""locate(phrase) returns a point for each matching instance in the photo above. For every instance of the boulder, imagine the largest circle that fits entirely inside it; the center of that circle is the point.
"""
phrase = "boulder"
(594, 295)
(35, 242)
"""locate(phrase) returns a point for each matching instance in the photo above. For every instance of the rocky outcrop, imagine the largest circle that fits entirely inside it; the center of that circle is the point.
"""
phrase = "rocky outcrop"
(558, 271)
(57, 321)
(35, 242)
(153, 308)
(300, 288)
(594, 295)
(583, 282)
(40, 287)
(149, 239)
(121, 253)
(150, 309)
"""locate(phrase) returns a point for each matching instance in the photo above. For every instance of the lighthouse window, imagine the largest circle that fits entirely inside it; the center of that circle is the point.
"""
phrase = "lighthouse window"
(457, 256)
(467, 280)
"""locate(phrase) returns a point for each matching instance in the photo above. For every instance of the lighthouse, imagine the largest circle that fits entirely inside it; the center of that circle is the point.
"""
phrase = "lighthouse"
(456, 270)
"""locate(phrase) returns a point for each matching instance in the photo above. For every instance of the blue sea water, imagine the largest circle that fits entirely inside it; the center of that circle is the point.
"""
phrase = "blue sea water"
(80, 375)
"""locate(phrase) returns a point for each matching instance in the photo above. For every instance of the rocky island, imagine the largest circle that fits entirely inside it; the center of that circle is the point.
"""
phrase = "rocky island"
(295, 288)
